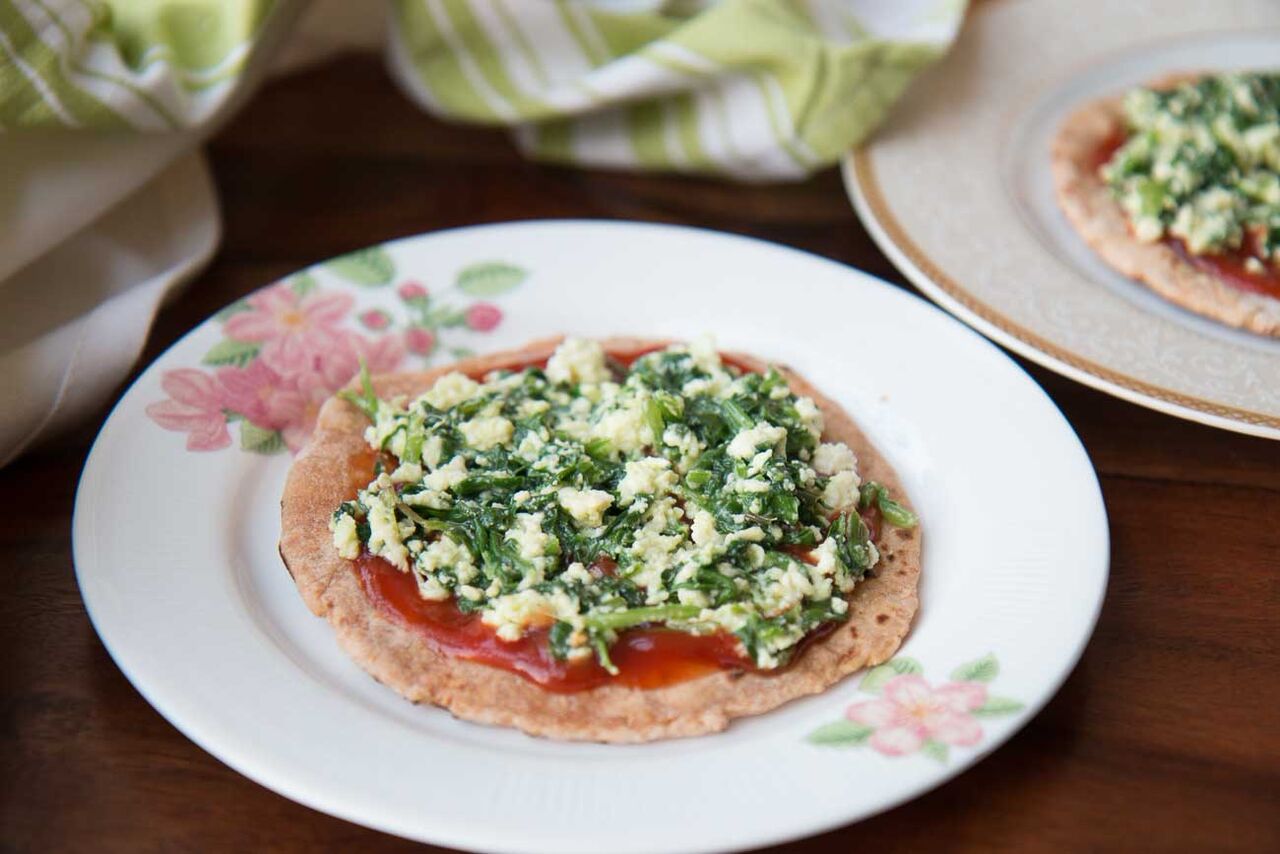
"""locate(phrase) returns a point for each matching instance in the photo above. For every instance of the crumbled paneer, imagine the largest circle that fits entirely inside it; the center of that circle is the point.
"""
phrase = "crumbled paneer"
(485, 433)
(763, 435)
(345, 538)
(529, 536)
(444, 479)
(833, 457)
(841, 491)
(586, 506)
(646, 476)
(450, 390)
(577, 360)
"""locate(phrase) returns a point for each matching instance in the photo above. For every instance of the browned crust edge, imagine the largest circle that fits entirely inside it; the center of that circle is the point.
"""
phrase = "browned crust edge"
(881, 607)
(1088, 204)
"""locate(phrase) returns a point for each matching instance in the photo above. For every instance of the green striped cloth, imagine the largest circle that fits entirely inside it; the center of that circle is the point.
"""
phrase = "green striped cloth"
(755, 89)
(146, 65)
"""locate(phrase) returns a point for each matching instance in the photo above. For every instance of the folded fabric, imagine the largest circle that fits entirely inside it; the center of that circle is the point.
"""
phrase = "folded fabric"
(73, 323)
(105, 207)
(145, 65)
(754, 89)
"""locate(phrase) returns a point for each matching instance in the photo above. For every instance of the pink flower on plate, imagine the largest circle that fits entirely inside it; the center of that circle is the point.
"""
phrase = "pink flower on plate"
(261, 395)
(412, 291)
(325, 376)
(292, 329)
(420, 341)
(375, 319)
(483, 316)
(313, 391)
(911, 712)
(334, 367)
(380, 354)
(194, 407)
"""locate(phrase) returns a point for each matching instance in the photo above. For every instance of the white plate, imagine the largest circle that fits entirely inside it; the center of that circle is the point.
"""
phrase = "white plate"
(175, 549)
(956, 189)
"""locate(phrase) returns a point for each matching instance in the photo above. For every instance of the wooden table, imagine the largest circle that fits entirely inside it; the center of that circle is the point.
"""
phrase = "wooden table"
(1166, 736)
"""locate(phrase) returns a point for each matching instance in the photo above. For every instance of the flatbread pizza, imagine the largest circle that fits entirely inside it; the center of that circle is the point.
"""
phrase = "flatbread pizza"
(618, 541)
(1175, 184)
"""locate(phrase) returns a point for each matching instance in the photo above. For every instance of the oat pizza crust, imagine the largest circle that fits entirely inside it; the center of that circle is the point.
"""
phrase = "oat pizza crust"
(881, 607)
(1088, 204)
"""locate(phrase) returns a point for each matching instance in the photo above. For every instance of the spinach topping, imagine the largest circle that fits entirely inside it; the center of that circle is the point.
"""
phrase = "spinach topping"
(1202, 163)
(587, 498)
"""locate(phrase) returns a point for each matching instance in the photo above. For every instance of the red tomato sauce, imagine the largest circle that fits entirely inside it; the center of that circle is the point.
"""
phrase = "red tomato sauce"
(1228, 267)
(1107, 148)
(645, 657)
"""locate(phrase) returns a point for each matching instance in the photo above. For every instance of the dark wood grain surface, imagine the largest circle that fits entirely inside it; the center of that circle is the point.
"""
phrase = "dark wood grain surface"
(1166, 737)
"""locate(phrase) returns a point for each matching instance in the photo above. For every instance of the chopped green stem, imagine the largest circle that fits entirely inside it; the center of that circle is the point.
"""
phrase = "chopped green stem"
(479, 483)
(867, 494)
(698, 478)
(602, 655)
(412, 514)
(636, 616)
(654, 415)
(737, 416)
(413, 446)
(367, 400)
(895, 514)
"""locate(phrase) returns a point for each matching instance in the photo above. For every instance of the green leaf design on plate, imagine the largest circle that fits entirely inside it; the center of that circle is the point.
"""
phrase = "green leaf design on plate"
(983, 670)
(998, 706)
(877, 676)
(935, 750)
(370, 267)
(461, 352)
(240, 305)
(303, 284)
(229, 351)
(490, 278)
(840, 734)
(260, 441)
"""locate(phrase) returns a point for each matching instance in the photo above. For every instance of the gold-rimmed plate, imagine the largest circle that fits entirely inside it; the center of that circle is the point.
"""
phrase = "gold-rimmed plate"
(957, 191)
